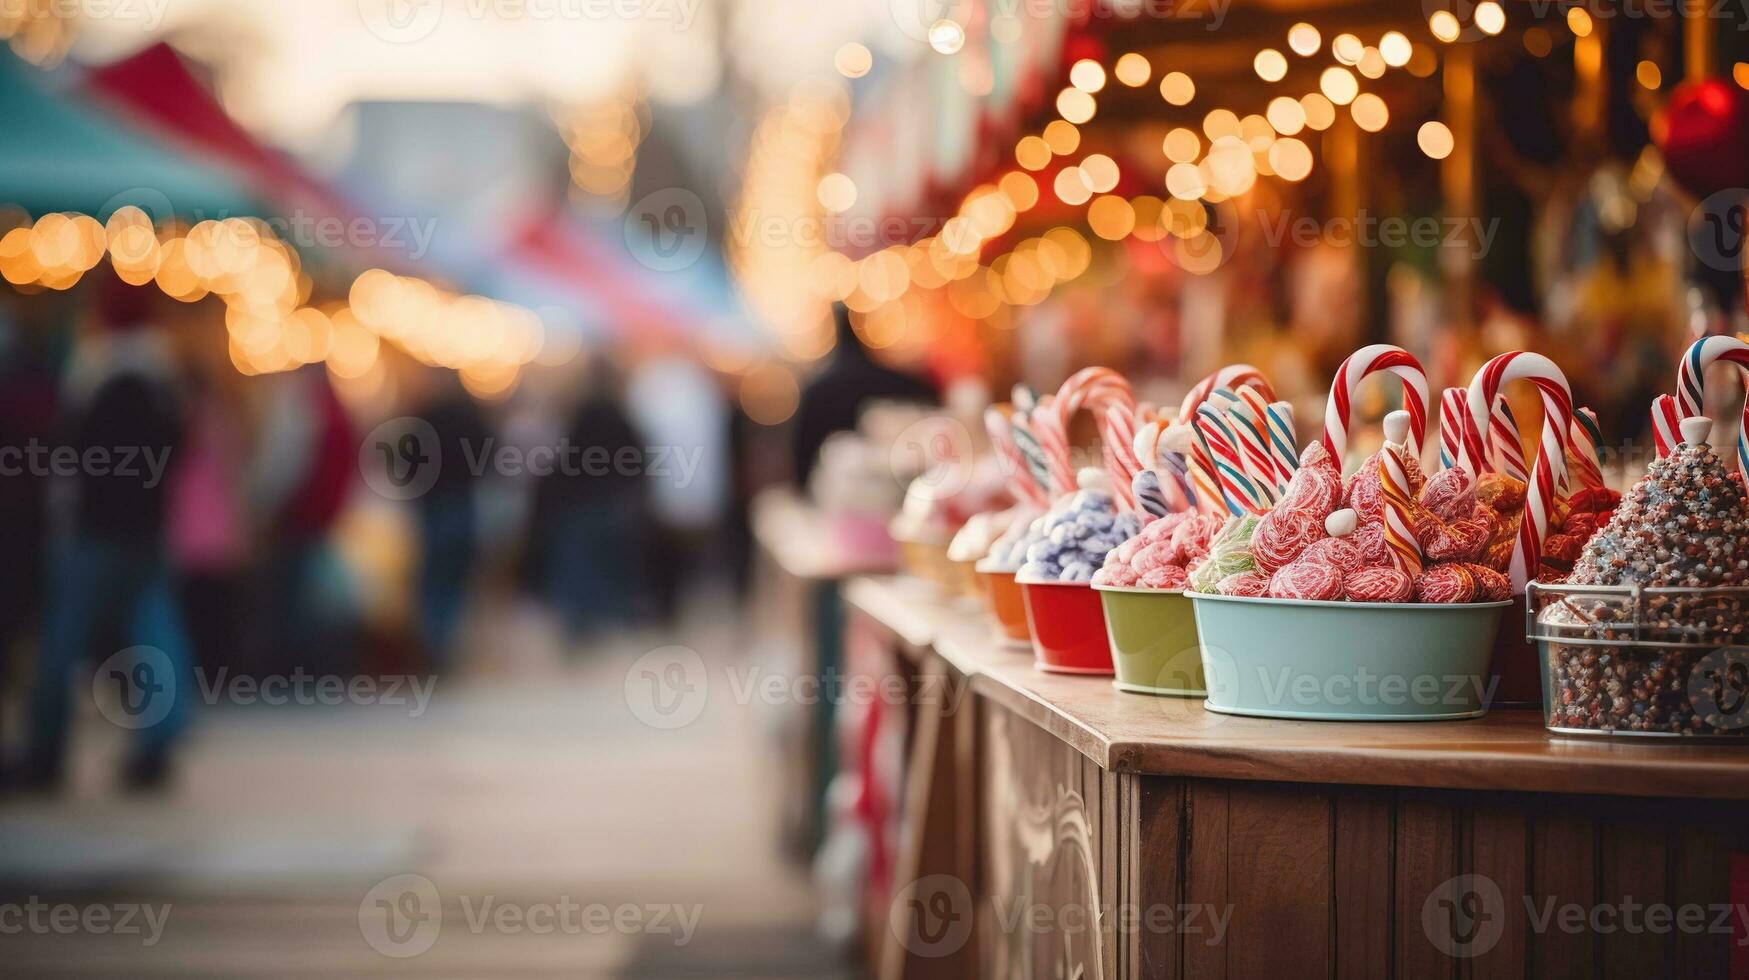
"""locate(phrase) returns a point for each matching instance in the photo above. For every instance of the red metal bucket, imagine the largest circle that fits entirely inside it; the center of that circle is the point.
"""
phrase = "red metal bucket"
(1068, 628)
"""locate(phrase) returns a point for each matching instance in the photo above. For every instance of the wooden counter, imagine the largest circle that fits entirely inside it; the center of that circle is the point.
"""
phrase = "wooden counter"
(1365, 849)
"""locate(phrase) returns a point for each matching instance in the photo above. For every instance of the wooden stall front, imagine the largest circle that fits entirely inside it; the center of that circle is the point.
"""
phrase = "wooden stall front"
(1054, 826)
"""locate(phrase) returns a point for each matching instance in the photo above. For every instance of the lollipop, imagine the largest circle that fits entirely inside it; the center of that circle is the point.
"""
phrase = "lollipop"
(1368, 360)
(1551, 458)
(1691, 383)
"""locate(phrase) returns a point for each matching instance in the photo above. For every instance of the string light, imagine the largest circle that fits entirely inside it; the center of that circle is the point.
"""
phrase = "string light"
(1490, 17)
(1434, 139)
(1270, 65)
(853, 60)
(1338, 85)
(1369, 112)
(1285, 115)
(1444, 25)
(1579, 21)
(1075, 106)
(1395, 48)
(1177, 88)
(1133, 70)
(1347, 49)
(946, 36)
(1304, 40)
(1087, 75)
(1181, 146)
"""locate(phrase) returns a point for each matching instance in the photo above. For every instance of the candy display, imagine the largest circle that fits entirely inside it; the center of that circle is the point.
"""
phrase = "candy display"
(1359, 365)
(1691, 374)
(1072, 540)
(1159, 557)
(1229, 554)
(1644, 637)
(1547, 474)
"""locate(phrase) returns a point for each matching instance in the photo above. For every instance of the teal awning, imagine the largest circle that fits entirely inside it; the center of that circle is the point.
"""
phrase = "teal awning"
(57, 154)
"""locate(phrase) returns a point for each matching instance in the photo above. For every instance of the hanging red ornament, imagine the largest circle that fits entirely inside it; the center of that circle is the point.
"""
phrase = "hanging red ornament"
(1703, 133)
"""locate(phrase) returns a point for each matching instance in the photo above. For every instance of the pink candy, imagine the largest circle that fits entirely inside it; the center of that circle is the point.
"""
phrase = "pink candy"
(1307, 580)
(1158, 556)
(1383, 584)
(1249, 585)
(1284, 535)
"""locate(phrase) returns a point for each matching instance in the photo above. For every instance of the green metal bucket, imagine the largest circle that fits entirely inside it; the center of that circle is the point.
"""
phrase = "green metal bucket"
(1346, 661)
(1153, 641)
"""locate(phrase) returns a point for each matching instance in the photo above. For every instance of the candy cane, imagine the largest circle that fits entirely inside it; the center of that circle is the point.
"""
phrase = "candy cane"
(1117, 431)
(1228, 377)
(1240, 493)
(1505, 443)
(1014, 463)
(1150, 493)
(1551, 457)
(1691, 383)
(1283, 442)
(1398, 504)
(1666, 418)
(1585, 460)
(1049, 426)
(1369, 360)
(1171, 450)
(1209, 499)
(1246, 418)
(1096, 388)
(1456, 430)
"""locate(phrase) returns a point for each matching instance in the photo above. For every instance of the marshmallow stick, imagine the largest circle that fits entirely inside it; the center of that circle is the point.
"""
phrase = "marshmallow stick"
(1691, 383)
(1506, 443)
(1399, 513)
(1550, 468)
(1366, 361)
(1240, 493)
(1585, 457)
(1666, 416)
(1282, 440)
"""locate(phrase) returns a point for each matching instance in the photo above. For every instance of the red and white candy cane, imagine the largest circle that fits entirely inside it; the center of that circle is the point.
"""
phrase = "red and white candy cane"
(1506, 443)
(1117, 430)
(1399, 506)
(1586, 456)
(1370, 360)
(1230, 377)
(1094, 388)
(1014, 468)
(1666, 423)
(1691, 383)
(1456, 430)
(1550, 469)
(1248, 417)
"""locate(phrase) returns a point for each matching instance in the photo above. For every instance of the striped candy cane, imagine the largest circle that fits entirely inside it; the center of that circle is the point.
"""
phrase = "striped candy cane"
(1015, 467)
(1237, 488)
(1505, 443)
(1117, 431)
(1398, 504)
(1203, 476)
(1094, 388)
(1666, 418)
(1283, 442)
(1691, 383)
(1228, 378)
(1585, 458)
(1246, 417)
(1456, 431)
(1550, 469)
(1370, 360)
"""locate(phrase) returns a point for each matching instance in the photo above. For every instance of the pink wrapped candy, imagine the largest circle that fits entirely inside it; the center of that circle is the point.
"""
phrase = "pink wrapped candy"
(1382, 584)
(1445, 583)
(1340, 552)
(1250, 585)
(1307, 580)
(1283, 535)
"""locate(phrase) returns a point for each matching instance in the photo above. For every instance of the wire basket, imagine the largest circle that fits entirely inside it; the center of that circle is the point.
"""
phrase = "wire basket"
(1632, 660)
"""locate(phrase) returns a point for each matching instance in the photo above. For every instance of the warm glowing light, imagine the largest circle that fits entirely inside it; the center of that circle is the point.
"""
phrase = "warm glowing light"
(1148, 210)
(1177, 88)
(769, 394)
(1270, 65)
(1444, 25)
(1395, 48)
(1490, 17)
(1219, 123)
(1347, 49)
(837, 193)
(1338, 85)
(1434, 139)
(1290, 159)
(1185, 182)
(1285, 115)
(1087, 75)
(1230, 167)
(1100, 172)
(1021, 190)
(1320, 114)
(1075, 105)
(1370, 112)
(853, 60)
(1111, 218)
(1062, 137)
(1648, 74)
(1072, 186)
(1032, 152)
(946, 36)
(1181, 146)
(1133, 70)
(1256, 132)
(1579, 21)
(1371, 64)
(1740, 74)
(1303, 38)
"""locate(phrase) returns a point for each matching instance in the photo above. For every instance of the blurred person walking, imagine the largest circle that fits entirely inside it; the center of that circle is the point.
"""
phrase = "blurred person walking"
(834, 399)
(108, 565)
(448, 516)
